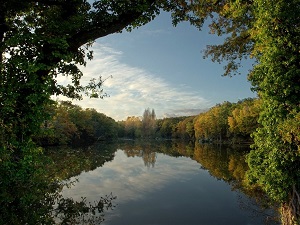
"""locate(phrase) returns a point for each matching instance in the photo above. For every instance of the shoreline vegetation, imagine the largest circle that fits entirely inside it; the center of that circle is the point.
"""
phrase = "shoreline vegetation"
(226, 123)
(43, 41)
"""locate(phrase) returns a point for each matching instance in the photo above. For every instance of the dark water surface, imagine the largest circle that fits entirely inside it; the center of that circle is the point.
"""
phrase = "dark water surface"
(172, 184)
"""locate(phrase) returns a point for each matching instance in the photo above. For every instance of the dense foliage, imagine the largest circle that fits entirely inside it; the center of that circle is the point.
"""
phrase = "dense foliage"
(267, 31)
(71, 124)
(226, 122)
(276, 159)
(42, 40)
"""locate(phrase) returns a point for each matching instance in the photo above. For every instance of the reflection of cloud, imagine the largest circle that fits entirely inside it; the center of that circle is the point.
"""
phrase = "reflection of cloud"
(175, 191)
(133, 89)
(129, 179)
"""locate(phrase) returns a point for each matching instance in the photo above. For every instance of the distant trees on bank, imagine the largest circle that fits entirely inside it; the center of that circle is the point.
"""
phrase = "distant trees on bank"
(226, 122)
(230, 122)
(71, 124)
(233, 122)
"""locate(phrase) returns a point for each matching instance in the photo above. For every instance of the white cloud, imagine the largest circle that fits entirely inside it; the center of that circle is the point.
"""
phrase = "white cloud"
(133, 89)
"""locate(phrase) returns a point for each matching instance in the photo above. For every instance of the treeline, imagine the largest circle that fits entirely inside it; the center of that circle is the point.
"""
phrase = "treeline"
(233, 122)
(226, 122)
(70, 124)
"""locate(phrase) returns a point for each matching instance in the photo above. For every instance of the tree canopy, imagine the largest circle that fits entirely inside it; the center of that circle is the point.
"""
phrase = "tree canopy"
(267, 31)
(41, 40)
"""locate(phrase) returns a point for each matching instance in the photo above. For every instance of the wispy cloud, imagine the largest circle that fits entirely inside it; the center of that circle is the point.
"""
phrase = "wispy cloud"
(155, 32)
(133, 89)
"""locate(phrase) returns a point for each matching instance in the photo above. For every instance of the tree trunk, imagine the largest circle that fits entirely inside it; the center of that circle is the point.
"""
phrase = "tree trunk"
(290, 211)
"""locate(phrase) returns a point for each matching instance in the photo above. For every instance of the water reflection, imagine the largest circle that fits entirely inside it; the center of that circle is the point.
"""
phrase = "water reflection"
(146, 152)
(71, 161)
(222, 162)
(154, 182)
(175, 183)
(34, 197)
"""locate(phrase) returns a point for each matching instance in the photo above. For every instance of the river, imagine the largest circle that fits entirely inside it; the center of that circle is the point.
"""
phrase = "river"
(173, 183)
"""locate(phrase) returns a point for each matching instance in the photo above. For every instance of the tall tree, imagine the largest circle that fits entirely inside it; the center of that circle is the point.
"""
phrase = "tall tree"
(269, 32)
(275, 163)
(213, 123)
(132, 127)
(233, 19)
(148, 123)
(243, 121)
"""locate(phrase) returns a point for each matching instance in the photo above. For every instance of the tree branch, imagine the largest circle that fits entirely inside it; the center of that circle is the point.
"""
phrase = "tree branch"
(96, 29)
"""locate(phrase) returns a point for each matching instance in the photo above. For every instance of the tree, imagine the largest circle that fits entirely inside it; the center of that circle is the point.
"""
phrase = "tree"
(132, 127)
(213, 123)
(148, 123)
(61, 125)
(165, 128)
(41, 40)
(185, 128)
(275, 163)
(269, 32)
(234, 19)
(244, 119)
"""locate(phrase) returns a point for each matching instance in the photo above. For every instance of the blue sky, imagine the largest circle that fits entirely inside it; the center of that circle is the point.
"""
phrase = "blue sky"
(161, 67)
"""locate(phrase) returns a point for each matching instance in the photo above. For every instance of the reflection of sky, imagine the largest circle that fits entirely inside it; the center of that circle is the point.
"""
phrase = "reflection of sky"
(130, 179)
(174, 191)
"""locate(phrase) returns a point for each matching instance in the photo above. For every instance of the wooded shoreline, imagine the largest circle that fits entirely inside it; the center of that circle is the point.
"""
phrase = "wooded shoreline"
(227, 123)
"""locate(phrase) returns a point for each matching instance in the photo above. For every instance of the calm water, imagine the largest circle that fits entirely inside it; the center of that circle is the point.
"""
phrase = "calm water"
(172, 184)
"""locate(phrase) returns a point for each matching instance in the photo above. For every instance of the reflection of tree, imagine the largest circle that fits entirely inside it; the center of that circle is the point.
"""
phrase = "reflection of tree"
(69, 211)
(37, 201)
(213, 159)
(146, 151)
(229, 165)
(237, 166)
(34, 197)
(222, 162)
(70, 161)
(149, 158)
(183, 148)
